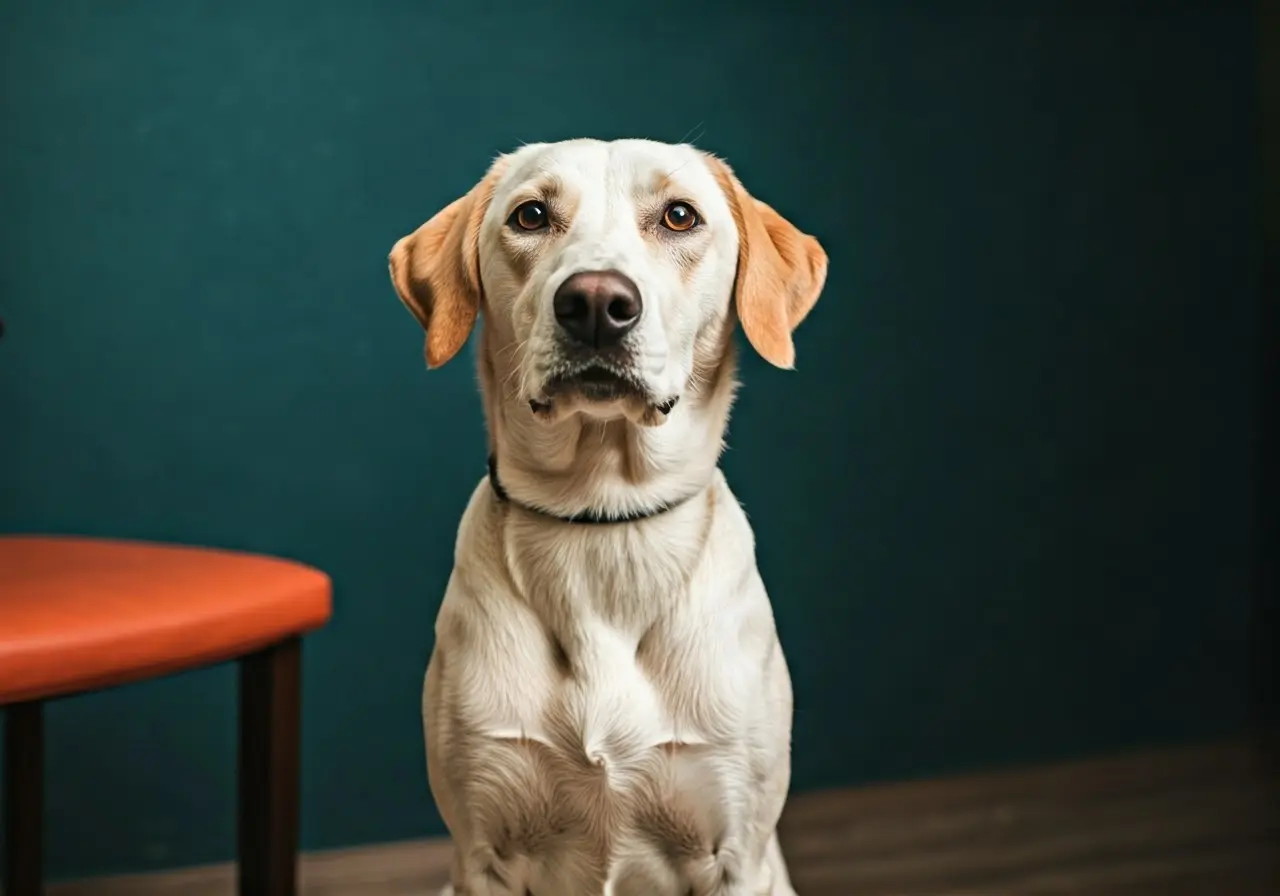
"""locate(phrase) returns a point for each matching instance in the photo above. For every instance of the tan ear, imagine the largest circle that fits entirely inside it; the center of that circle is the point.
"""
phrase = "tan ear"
(781, 271)
(436, 271)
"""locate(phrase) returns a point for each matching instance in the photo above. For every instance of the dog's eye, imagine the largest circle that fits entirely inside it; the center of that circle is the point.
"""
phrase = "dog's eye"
(531, 215)
(680, 216)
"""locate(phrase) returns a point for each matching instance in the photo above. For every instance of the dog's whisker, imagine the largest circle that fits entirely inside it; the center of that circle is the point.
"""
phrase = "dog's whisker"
(514, 369)
(517, 349)
(690, 137)
(673, 171)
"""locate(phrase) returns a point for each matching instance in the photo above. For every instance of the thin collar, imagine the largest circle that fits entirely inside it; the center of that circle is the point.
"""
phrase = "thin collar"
(586, 517)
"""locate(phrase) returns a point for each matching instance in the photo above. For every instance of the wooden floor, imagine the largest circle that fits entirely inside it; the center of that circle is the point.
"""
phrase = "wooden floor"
(1202, 821)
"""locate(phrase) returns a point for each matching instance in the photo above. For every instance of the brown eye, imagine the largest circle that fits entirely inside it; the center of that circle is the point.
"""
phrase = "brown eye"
(679, 217)
(530, 215)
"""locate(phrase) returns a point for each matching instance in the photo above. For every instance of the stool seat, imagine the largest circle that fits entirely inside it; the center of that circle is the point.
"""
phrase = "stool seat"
(80, 614)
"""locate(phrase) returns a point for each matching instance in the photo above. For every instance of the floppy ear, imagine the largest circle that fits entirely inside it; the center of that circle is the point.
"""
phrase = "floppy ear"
(780, 271)
(436, 271)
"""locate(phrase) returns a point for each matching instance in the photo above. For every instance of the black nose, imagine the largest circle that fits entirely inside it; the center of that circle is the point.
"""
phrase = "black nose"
(597, 308)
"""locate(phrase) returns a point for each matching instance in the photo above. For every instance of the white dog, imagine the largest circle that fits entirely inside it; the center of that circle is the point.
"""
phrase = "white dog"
(607, 707)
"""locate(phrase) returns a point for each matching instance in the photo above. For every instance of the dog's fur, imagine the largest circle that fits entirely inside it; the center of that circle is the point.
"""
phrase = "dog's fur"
(607, 708)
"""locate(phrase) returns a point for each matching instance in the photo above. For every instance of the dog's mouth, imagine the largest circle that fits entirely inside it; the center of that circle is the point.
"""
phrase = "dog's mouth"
(596, 383)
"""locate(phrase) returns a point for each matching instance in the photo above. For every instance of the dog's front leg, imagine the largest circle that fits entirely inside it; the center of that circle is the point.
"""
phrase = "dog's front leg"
(469, 875)
(774, 874)
(477, 871)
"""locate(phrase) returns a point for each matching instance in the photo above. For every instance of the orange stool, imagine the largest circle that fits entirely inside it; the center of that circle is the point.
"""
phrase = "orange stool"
(79, 615)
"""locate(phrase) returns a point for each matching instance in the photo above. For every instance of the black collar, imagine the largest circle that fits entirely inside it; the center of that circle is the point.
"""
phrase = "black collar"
(588, 517)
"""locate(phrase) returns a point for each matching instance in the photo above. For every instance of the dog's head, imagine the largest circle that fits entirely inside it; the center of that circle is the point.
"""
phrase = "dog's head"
(605, 269)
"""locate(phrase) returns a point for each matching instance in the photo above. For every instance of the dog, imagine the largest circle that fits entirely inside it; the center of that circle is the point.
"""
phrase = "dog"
(607, 707)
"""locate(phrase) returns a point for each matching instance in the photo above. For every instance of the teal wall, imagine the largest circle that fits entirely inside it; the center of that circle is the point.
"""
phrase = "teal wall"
(1003, 506)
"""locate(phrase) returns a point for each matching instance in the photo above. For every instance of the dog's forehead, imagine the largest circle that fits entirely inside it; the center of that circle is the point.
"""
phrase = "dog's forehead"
(602, 167)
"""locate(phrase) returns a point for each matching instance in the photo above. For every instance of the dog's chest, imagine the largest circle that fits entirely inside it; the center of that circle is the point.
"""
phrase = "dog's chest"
(645, 638)
(617, 728)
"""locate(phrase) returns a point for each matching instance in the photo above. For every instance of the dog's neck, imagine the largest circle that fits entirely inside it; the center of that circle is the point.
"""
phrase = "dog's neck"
(578, 467)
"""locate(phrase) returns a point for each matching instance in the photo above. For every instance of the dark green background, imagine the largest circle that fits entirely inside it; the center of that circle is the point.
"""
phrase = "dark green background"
(1003, 506)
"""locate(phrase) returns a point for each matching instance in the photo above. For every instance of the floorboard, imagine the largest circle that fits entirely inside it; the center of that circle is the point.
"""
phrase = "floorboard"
(1196, 821)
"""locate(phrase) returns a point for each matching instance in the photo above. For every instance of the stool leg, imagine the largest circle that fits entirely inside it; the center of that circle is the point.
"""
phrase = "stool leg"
(270, 723)
(23, 799)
